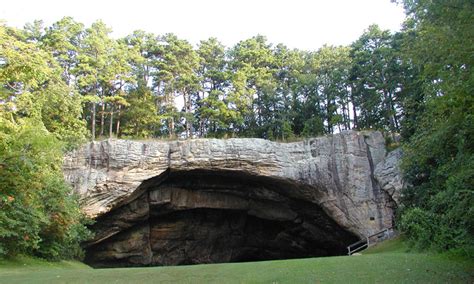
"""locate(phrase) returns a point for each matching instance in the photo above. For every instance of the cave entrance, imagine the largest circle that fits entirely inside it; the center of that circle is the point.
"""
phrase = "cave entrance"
(191, 217)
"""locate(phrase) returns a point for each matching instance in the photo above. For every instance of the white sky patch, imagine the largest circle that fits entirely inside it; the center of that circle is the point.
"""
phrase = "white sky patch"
(303, 24)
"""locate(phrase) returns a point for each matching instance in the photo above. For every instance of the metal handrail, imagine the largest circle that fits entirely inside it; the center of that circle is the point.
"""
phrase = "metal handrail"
(365, 243)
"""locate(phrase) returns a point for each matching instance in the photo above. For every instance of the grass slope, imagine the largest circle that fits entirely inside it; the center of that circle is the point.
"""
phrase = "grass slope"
(385, 263)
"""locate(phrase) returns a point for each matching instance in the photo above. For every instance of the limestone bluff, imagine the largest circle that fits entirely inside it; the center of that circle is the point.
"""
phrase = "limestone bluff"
(211, 200)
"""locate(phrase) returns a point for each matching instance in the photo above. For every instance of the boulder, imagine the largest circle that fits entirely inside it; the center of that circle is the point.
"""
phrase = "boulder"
(389, 175)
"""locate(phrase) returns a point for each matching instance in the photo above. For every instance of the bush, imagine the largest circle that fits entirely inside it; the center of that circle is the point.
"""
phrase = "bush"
(418, 227)
(38, 214)
(439, 164)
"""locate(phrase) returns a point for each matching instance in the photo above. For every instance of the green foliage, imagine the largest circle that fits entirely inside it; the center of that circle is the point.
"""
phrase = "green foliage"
(253, 89)
(39, 117)
(177, 63)
(142, 119)
(376, 76)
(439, 162)
(61, 114)
(32, 87)
(313, 127)
(439, 159)
(38, 214)
(286, 131)
(419, 227)
(62, 40)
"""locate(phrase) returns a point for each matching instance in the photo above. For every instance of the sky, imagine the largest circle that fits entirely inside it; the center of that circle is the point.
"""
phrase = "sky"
(302, 24)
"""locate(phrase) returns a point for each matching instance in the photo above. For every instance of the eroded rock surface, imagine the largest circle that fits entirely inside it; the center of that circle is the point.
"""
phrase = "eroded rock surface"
(209, 200)
(389, 175)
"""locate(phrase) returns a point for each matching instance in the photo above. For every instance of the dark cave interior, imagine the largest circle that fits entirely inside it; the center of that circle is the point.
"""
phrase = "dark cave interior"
(197, 216)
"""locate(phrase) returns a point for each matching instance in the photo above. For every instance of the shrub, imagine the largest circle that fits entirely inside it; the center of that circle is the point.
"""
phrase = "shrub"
(38, 215)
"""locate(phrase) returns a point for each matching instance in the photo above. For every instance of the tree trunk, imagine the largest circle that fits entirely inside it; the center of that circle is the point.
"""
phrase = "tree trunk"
(93, 121)
(102, 119)
(117, 127)
(111, 124)
(394, 113)
(344, 117)
(201, 126)
(329, 115)
(185, 105)
(169, 102)
(189, 125)
(171, 126)
(355, 125)
(388, 109)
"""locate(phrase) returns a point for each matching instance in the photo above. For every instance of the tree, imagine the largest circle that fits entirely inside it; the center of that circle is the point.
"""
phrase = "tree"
(141, 116)
(34, 32)
(288, 68)
(309, 120)
(93, 70)
(215, 114)
(31, 86)
(439, 160)
(120, 75)
(252, 62)
(375, 75)
(332, 69)
(63, 39)
(38, 118)
(38, 214)
(144, 62)
(177, 64)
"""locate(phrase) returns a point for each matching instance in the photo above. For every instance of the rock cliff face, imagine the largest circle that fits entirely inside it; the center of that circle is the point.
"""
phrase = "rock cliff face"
(389, 175)
(209, 200)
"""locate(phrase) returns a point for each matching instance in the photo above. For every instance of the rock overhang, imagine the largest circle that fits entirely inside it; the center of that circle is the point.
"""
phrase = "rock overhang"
(334, 173)
(201, 216)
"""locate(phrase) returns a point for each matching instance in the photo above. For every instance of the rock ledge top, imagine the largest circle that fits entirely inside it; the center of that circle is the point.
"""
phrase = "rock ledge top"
(349, 175)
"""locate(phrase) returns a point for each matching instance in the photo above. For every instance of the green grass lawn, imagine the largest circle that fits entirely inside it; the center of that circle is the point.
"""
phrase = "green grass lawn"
(386, 263)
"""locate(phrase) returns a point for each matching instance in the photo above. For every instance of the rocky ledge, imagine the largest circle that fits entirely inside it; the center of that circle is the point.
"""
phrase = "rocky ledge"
(210, 200)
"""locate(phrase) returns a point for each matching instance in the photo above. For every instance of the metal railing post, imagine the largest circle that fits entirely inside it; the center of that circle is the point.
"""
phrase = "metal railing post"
(387, 232)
